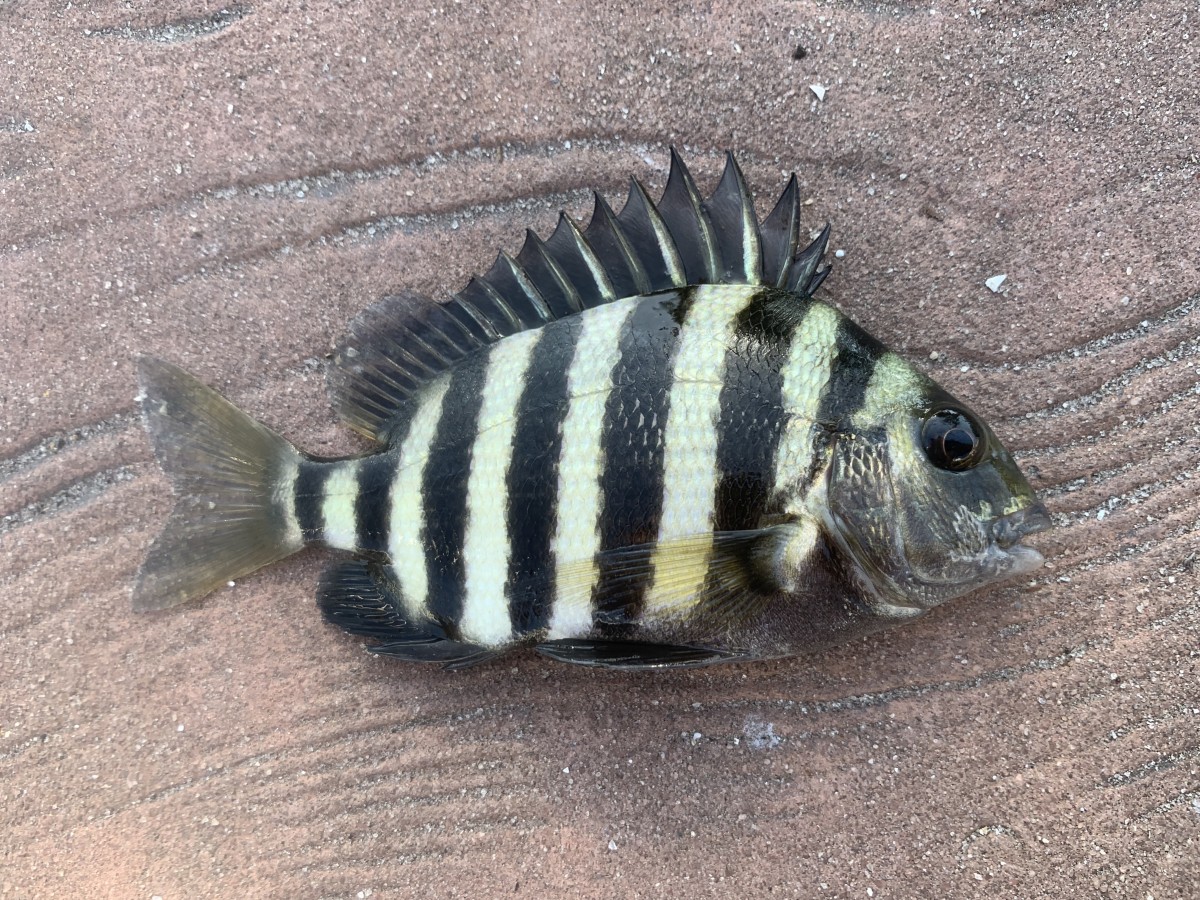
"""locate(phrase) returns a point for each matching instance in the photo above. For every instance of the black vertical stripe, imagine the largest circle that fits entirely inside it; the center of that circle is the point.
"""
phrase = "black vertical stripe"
(857, 354)
(846, 390)
(752, 416)
(532, 478)
(632, 444)
(309, 493)
(373, 507)
(444, 491)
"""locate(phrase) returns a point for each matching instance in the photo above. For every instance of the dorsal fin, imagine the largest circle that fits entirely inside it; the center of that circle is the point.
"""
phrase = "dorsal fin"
(802, 276)
(392, 349)
(731, 210)
(404, 341)
(650, 240)
(682, 209)
(613, 247)
(780, 234)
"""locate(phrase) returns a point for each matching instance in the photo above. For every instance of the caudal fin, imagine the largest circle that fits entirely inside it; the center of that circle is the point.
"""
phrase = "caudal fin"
(231, 476)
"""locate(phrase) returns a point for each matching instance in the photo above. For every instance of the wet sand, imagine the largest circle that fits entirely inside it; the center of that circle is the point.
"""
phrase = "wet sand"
(227, 187)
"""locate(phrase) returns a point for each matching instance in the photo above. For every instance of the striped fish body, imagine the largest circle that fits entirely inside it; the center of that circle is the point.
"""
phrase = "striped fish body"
(683, 476)
(520, 484)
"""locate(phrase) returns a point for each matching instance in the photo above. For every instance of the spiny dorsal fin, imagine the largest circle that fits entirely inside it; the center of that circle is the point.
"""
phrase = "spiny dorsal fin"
(615, 250)
(780, 233)
(802, 276)
(682, 209)
(405, 341)
(731, 210)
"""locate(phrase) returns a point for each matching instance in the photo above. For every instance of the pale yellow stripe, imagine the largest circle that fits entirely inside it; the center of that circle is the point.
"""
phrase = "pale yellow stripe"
(285, 497)
(486, 545)
(577, 535)
(805, 374)
(408, 512)
(690, 443)
(894, 385)
(337, 506)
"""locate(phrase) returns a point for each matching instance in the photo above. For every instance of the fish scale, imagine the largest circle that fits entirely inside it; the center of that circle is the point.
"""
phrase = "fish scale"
(641, 444)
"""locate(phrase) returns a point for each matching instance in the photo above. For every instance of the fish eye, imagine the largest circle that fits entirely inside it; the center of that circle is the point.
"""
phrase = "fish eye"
(953, 440)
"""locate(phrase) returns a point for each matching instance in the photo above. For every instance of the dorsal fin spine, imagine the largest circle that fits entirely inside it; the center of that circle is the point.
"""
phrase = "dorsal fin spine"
(401, 344)
(535, 296)
(564, 284)
(484, 286)
(751, 240)
(603, 282)
(800, 275)
(604, 218)
(735, 226)
(682, 209)
(818, 276)
(780, 233)
(665, 243)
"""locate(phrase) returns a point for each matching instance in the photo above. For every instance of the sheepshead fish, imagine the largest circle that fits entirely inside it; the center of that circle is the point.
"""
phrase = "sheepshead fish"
(640, 444)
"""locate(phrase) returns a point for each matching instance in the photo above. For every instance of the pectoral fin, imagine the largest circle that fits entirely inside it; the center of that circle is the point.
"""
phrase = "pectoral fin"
(720, 580)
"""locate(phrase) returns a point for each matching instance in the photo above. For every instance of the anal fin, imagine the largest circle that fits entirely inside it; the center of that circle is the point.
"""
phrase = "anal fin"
(633, 655)
(358, 596)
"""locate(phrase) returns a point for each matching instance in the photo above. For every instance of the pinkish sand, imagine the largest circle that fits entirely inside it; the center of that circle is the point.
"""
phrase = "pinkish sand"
(226, 188)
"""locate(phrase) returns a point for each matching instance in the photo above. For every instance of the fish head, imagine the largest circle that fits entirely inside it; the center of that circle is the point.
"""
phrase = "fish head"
(923, 500)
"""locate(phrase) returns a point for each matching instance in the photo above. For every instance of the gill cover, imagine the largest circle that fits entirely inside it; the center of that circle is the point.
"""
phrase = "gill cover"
(925, 501)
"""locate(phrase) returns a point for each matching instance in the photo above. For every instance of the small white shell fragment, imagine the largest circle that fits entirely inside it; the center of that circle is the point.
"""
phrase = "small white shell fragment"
(818, 89)
(993, 283)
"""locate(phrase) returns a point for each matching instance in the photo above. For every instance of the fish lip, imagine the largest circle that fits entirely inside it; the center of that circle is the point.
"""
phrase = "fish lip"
(1006, 531)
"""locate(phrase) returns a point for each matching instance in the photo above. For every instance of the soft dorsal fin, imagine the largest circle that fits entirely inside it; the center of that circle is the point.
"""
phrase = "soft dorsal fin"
(404, 341)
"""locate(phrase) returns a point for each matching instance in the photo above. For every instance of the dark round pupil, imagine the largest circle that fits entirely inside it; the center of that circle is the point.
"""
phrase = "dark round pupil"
(958, 443)
(951, 440)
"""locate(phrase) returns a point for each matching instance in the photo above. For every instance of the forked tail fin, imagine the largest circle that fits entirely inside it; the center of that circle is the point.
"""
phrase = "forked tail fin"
(232, 478)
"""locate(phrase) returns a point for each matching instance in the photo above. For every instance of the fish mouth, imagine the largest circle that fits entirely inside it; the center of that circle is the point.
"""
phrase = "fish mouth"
(1007, 531)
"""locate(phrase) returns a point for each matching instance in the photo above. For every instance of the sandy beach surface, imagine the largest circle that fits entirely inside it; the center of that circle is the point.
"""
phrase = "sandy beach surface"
(227, 186)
